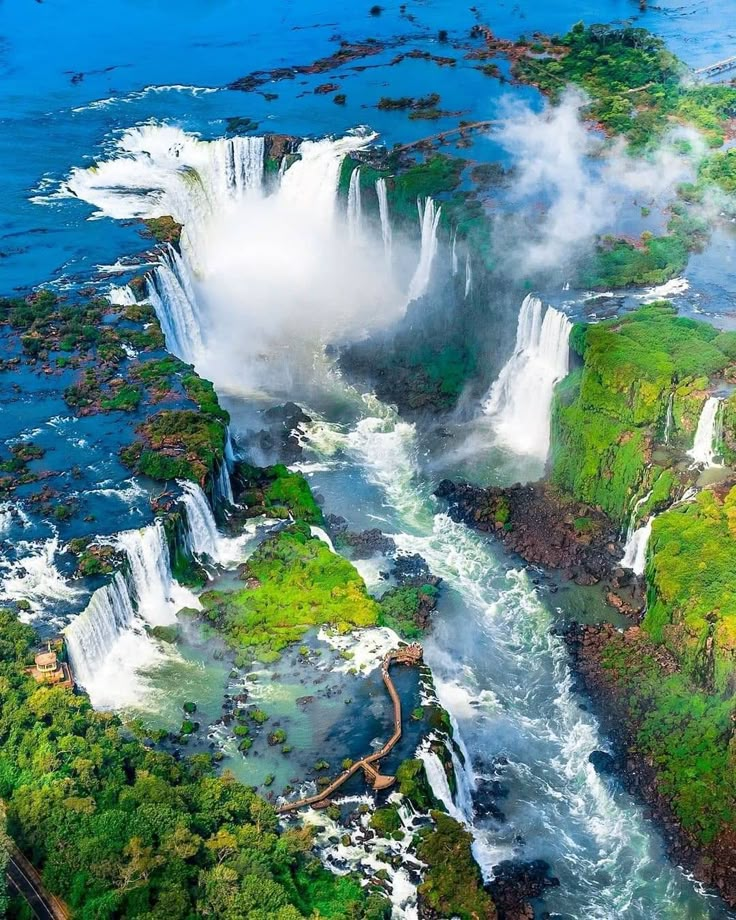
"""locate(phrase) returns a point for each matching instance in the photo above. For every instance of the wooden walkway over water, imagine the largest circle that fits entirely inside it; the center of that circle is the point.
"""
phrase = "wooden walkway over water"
(410, 655)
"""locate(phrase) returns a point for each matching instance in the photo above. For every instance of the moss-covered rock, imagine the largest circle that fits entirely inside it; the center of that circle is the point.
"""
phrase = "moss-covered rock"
(609, 414)
(452, 885)
(294, 582)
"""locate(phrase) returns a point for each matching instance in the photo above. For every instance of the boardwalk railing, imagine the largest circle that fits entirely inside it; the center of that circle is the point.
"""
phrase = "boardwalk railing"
(713, 70)
(409, 655)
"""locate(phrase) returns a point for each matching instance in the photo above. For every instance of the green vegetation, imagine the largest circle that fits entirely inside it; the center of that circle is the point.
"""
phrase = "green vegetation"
(386, 821)
(406, 610)
(608, 415)
(635, 84)
(164, 229)
(297, 584)
(127, 398)
(118, 830)
(619, 263)
(684, 731)
(452, 885)
(692, 602)
(411, 779)
(177, 444)
(276, 492)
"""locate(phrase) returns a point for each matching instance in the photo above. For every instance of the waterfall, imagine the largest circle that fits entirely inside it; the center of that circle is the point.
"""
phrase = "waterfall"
(635, 551)
(386, 232)
(707, 435)
(157, 595)
(429, 218)
(669, 420)
(468, 276)
(438, 783)
(238, 163)
(91, 635)
(355, 207)
(635, 513)
(170, 293)
(519, 401)
(230, 458)
(454, 253)
(203, 535)
(223, 486)
(323, 536)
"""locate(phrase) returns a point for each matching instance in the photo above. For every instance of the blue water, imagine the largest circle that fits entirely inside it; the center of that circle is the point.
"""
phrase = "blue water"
(75, 75)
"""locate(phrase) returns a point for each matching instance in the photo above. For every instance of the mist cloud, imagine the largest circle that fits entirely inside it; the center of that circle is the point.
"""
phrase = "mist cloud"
(579, 182)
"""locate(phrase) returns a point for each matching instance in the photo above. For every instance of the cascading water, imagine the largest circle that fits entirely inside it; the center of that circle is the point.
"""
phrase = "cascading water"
(503, 674)
(438, 782)
(429, 218)
(519, 401)
(223, 485)
(383, 213)
(635, 551)
(203, 535)
(91, 636)
(633, 518)
(468, 275)
(455, 265)
(707, 436)
(157, 595)
(170, 292)
(355, 207)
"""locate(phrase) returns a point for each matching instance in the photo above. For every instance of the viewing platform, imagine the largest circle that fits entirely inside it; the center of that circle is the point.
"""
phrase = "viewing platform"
(50, 668)
(410, 655)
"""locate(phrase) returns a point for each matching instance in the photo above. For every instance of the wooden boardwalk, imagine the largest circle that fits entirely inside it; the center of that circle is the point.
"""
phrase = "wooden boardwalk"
(409, 655)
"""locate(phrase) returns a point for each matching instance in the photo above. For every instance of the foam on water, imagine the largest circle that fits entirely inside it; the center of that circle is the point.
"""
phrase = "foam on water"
(33, 575)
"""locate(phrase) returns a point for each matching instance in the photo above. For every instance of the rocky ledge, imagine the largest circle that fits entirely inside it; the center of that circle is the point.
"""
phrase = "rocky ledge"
(542, 526)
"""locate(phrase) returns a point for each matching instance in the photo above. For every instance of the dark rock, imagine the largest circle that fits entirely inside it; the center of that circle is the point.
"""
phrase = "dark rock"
(603, 763)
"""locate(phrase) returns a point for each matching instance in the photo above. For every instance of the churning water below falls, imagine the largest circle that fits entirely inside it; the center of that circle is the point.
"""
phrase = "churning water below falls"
(253, 279)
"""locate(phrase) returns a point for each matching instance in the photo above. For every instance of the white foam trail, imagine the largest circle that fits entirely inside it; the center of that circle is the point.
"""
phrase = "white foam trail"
(468, 276)
(519, 401)
(663, 291)
(369, 854)
(708, 434)
(355, 206)
(429, 218)
(383, 212)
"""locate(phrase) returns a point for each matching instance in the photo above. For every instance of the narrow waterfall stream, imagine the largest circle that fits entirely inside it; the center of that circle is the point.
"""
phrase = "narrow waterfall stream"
(707, 435)
(499, 670)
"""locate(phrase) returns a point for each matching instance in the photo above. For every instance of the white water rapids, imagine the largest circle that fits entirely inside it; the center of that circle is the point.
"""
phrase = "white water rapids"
(499, 670)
